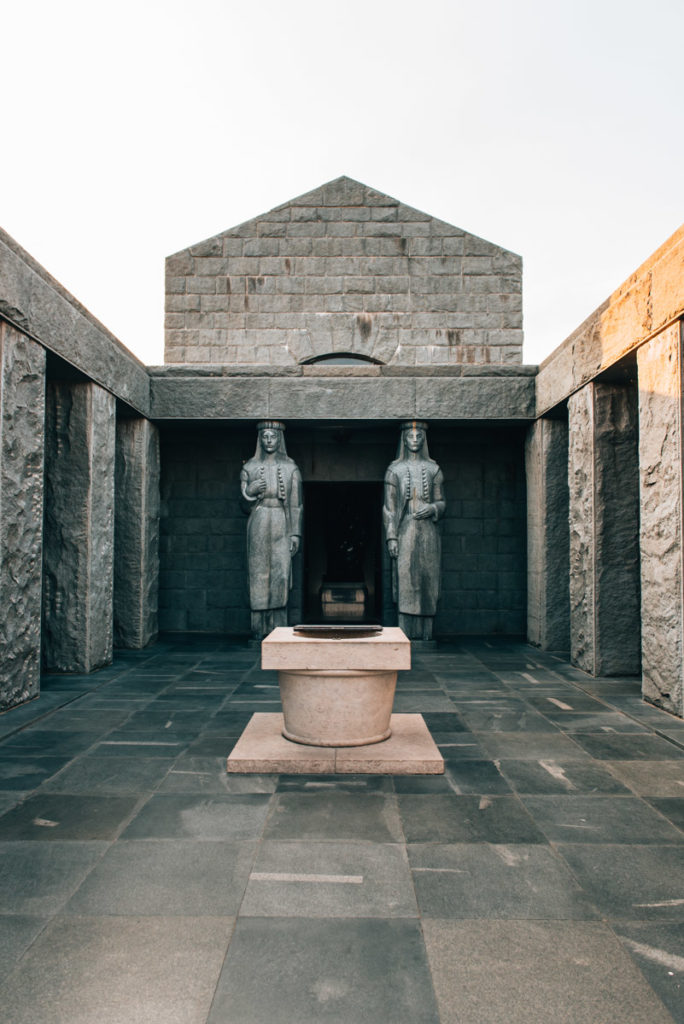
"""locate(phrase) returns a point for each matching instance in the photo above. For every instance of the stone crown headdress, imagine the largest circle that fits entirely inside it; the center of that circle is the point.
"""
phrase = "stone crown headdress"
(414, 424)
(270, 425)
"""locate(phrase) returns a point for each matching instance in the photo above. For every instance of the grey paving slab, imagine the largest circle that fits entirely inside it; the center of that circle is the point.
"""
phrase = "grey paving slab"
(24, 773)
(462, 747)
(475, 777)
(477, 880)
(164, 747)
(658, 950)
(334, 815)
(47, 743)
(166, 879)
(418, 703)
(466, 819)
(209, 775)
(119, 971)
(632, 747)
(556, 776)
(444, 722)
(535, 745)
(671, 808)
(650, 778)
(600, 819)
(630, 882)
(186, 816)
(38, 878)
(17, 932)
(52, 817)
(106, 775)
(600, 722)
(506, 721)
(337, 783)
(291, 879)
(11, 799)
(286, 970)
(536, 972)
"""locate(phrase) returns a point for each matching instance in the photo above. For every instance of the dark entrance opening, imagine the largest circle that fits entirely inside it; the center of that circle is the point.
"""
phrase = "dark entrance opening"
(342, 552)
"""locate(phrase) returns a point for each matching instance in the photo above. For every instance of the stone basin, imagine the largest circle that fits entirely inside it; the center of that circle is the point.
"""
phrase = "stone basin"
(336, 690)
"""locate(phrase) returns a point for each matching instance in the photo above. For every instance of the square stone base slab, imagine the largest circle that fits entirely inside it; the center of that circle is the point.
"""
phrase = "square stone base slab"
(262, 748)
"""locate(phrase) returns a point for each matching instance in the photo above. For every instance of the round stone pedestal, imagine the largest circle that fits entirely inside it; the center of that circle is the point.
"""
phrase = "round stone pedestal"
(337, 708)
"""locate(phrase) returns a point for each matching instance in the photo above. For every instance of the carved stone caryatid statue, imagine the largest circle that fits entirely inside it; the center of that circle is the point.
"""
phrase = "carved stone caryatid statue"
(271, 487)
(414, 503)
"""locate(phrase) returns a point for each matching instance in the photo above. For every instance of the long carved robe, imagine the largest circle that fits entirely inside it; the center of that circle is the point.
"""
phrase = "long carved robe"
(410, 484)
(274, 518)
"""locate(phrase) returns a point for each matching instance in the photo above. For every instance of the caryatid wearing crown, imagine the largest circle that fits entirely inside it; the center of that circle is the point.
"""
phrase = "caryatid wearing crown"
(413, 505)
(271, 487)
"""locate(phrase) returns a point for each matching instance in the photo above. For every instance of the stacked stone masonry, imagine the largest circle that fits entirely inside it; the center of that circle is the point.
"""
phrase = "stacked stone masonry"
(344, 269)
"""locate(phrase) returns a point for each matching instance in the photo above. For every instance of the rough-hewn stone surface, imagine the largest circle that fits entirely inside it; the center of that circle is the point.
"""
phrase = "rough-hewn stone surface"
(548, 553)
(649, 299)
(41, 306)
(136, 533)
(343, 397)
(344, 269)
(660, 457)
(203, 577)
(604, 529)
(22, 415)
(79, 526)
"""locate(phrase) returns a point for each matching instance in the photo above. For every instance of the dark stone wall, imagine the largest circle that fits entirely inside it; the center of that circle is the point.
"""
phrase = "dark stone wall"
(202, 537)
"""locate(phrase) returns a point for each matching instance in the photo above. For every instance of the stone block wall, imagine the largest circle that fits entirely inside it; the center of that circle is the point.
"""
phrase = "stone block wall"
(344, 269)
(203, 572)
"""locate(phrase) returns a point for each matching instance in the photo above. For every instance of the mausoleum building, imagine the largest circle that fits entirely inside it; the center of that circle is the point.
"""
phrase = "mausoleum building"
(342, 314)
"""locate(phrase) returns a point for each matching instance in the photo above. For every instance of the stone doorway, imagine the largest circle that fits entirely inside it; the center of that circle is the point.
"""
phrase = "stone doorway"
(343, 552)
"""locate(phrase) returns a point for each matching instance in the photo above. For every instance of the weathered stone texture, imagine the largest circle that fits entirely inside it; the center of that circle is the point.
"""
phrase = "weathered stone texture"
(136, 533)
(660, 458)
(22, 416)
(645, 303)
(604, 526)
(79, 526)
(39, 304)
(343, 397)
(548, 554)
(344, 269)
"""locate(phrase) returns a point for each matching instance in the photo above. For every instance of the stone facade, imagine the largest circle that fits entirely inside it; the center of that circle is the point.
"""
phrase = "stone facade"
(604, 530)
(548, 552)
(662, 479)
(22, 411)
(136, 533)
(548, 474)
(79, 527)
(344, 269)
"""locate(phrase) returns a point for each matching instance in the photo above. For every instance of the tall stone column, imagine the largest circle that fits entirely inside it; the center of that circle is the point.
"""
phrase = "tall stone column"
(660, 464)
(79, 526)
(22, 425)
(604, 529)
(136, 533)
(548, 556)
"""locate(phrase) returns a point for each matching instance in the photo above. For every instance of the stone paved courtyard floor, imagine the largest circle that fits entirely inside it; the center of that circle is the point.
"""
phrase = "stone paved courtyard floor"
(540, 879)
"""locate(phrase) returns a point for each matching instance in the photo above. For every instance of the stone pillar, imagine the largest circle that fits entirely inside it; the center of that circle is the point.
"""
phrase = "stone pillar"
(136, 533)
(660, 463)
(548, 555)
(22, 427)
(604, 530)
(79, 527)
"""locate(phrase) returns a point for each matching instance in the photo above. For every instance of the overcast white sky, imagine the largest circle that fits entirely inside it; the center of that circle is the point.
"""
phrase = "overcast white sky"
(131, 130)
